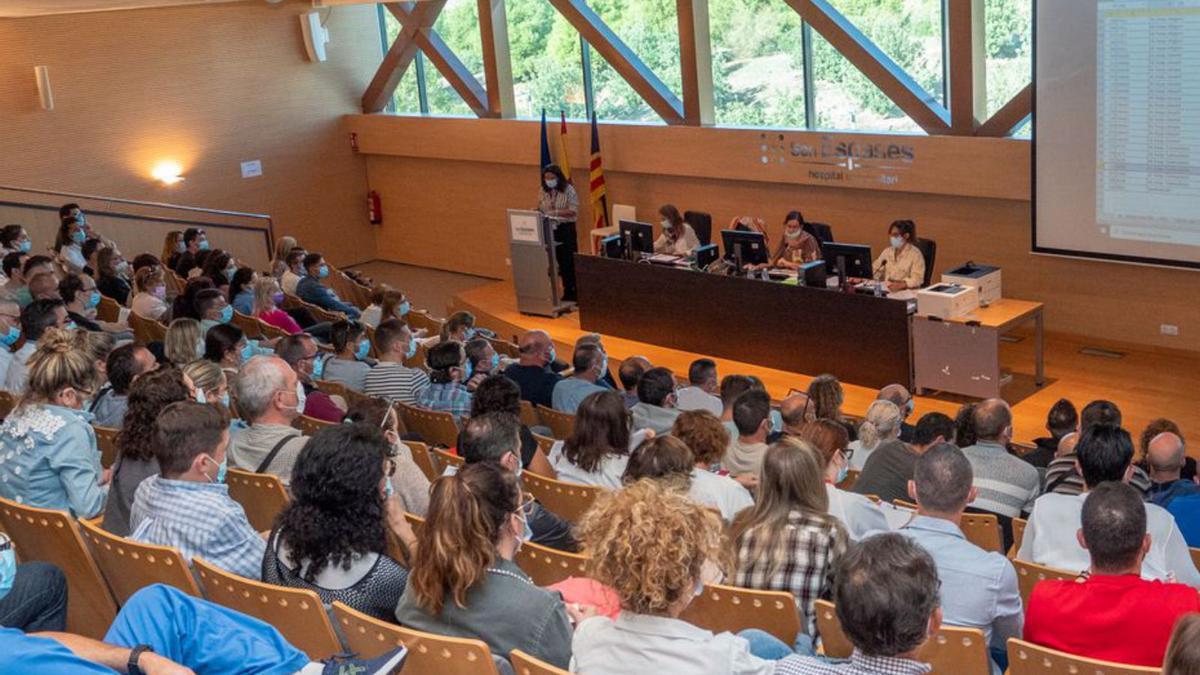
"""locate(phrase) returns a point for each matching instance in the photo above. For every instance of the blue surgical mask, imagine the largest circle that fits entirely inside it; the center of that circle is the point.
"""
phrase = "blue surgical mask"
(468, 370)
(361, 353)
(79, 236)
(225, 399)
(227, 314)
(527, 533)
(405, 307)
(203, 245)
(604, 365)
(412, 349)
(897, 242)
(201, 397)
(388, 490)
(229, 272)
(10, 338)
(180, 247)
(552, 183)
(495, 361)
(25, 246)
(247, 352)
(470, 333)
(318, 367)
(221, 469)
(842, 473)
(553, 355)
(71, 325)
(8, 564)
(323, 271)
(92, 300)
(200, 348)
(301, 398)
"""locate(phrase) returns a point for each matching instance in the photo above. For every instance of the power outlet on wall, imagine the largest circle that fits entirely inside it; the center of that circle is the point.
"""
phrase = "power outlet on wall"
(1169, 329)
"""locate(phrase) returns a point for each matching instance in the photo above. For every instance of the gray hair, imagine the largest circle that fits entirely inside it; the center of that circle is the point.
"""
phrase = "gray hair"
(992, 417)
(260, 378)
(883, 420)
(943, 477)
(885, 589)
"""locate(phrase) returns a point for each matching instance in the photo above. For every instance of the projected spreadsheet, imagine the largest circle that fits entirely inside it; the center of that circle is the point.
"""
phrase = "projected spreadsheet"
(1148, 120)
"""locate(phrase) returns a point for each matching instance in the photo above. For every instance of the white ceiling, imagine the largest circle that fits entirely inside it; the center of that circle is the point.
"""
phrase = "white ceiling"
(17, 8)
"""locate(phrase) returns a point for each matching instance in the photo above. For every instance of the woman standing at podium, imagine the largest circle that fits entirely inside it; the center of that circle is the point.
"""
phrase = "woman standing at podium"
(558, 200)
(901, 265)
(677, 238)
(797, 247)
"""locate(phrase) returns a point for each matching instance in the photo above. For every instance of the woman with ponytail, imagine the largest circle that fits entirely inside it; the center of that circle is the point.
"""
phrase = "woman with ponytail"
(882, 424)
(48, 455)
(464, 582)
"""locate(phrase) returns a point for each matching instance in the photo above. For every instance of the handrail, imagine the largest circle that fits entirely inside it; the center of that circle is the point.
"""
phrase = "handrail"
(117, 200)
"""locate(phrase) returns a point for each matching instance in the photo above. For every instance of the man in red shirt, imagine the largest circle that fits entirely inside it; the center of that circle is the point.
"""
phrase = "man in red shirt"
(1114, 614)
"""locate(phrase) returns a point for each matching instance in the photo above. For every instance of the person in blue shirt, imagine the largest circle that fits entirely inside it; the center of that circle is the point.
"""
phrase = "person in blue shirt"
(48, 455)
(310, 289)
(1165, 455)
(241, 290)
(1187, 518)
(590, 364)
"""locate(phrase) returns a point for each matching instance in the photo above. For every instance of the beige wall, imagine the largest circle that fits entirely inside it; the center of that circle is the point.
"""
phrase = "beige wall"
(209, 87)
(446, 183)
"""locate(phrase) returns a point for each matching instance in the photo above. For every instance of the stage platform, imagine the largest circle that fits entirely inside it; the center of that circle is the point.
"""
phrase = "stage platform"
(1144, 383)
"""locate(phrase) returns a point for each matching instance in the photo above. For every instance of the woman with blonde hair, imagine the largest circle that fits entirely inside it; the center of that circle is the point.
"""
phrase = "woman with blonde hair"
(183, 343)
(788, 541)
(48, 455)
(857, 513)
(279, 260)
(386, 303)
(209, 381)
(463, 580)
(267, 296)
(656, 549)
(883, 423)
(96, 346)
(707, 438)
(150, 299)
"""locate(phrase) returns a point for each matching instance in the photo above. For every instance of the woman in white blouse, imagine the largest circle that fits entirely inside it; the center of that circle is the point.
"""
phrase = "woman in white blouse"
(598, 449)
(883, 423)
(858, 513)
(150, 302)
(901, 265)
(558, 200)
(677, 238)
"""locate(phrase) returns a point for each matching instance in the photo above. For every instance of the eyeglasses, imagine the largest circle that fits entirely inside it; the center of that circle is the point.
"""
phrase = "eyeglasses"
(391, 467)
(527, 502)
(847, 453)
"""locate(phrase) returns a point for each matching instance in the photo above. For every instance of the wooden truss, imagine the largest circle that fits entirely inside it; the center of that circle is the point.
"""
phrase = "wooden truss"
(965, 54)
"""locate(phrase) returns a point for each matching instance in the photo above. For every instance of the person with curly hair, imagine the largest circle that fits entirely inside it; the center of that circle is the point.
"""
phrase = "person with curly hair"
(597, 451)
(464, 582)
(707, 438)
(656, 549)
(332, 538)
(827, 397)
(148, 397)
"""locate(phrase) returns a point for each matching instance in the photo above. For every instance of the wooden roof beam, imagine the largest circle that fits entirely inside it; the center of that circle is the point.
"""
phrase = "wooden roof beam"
(1012, 115)
(412, 16)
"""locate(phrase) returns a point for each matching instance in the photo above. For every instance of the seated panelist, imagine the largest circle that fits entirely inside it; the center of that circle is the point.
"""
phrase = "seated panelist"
(901, 265)
(797, 246)
(677, 238)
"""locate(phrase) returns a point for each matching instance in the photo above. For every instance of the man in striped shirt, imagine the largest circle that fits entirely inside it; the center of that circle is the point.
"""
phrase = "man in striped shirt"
(391, 379)
(1007, 484)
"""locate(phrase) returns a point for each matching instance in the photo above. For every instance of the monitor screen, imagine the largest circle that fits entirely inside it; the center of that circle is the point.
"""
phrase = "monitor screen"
(856, 256)
(638, 237)
(751, 245)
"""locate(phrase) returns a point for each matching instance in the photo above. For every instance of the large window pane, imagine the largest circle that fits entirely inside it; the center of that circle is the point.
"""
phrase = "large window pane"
(758, 63)
(650, 28)
(406, 100)
(908, 31)
(1009, 62)
(546, 62)
(458, 26)
(846, 99)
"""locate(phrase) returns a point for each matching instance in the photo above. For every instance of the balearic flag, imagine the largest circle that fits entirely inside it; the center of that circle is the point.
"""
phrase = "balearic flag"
(564, 162)
(596, 184)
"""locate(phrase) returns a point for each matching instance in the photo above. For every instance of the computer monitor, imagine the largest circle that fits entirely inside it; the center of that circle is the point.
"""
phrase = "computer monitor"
(612, 247)
(745, 248)
(637, 237)
(857, 259)
(706, 255)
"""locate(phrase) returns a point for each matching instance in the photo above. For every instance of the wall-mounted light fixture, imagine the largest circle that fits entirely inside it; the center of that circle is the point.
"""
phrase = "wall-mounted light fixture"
(42, 73)
(167, 172)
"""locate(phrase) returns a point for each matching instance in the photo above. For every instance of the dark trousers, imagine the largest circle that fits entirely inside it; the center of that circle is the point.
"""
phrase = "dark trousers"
(38, 599)
(566, 242)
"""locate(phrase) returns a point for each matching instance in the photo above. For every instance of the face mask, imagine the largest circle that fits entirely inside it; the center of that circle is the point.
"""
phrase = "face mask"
(200, 348)
(159, 292)
(318, 368)
(388, 490)
(10, 338)
(180, 247)
(468, 370)
(552, 183)
(247, 352)
(301, 398)
(897, 242)
(203, 245)
(666, 226)
(360, 353)
(201, 397)
(527, 531)
(26, 246)
(8, 565)
(792, 236)
(842, 473)
(227, 314)
(323, 272)
(92, 300)
(603, 366)
(78, 236)
(225, 399)
(229, 272)
(71, 325)
(277, 298)
(495, 361)
(471, 332)
(221, 469)
(412, 349)
(553, 355)
(908, 408)
(122, 267)
(404, 308)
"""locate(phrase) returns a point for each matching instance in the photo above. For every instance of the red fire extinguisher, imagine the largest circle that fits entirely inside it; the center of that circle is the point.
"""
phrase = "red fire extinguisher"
(374, 209)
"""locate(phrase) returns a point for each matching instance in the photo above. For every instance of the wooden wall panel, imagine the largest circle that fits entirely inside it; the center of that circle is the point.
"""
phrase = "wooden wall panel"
(209, 87)
(446, 183)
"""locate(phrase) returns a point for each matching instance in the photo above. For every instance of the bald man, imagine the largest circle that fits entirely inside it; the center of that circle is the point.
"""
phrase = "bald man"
(1164, 458)
(532, 370)
(1007, 484)
(899, 394)
(796, 411)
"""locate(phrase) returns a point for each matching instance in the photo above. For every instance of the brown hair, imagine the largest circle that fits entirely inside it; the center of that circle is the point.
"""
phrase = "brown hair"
(671, 213)
(389, 301)
(826, 436)
(601, 429)
(826, 395)
(704, 435)
(186, 429)
(147, 278)
(661, 457)
(180, 343)
(457, 544)
(172, 240)
(1183, 652)
(649, 543)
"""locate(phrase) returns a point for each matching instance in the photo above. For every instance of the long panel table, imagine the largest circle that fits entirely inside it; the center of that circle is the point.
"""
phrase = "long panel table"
(861, 339)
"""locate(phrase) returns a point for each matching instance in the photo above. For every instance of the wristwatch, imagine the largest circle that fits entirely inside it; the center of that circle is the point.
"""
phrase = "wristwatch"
(135, 654)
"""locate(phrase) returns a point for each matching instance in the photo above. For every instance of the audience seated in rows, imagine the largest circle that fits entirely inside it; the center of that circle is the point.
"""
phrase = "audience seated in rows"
(708, 439)
(349, 364)
(270, 397)
(311, 290)
(1165, 454)
(1062, 475)
(390, 378)
(590, 364)
(300, 352)
(899, 395)
(1006, 485)
(409, 485)
(882, 425)
(150, 300)
(1062, 419)
(532, 371)
(892, 465)
(448, 372)
(499, 394)
(751, 417)
(184, 343)
(597, 451)
(630, 373)
(37, 318)
(827, 398)
(703, 387)
(124, 366)
(794, 411)
(857, 513)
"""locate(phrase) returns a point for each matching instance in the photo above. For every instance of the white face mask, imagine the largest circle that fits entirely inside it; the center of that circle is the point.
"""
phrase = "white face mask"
(897, 242)
(666, 226)
(552, 183)
(792, 236)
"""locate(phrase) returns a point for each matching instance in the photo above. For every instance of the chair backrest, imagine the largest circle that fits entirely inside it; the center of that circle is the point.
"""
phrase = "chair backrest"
(8, 401)
(130, 566)
(524, 664)
(544, 443)
(701, 222)
(436, 428)
(623, 212)
(297, 613)
(53, 536)
(146, 330)
(427, 653)
(928, 249)
(1018, 532)
(310, 425)
(261, 495)
(529, 414)
(547, 566)
(249, 325)
(108, 310)
(270, 332)
(728, 608)
(1026, 658)
(419, 318)
(446, 458)
(983, 530)
(106, 441)
(338, 389)
(505, 348)
(567, 500)
(561, 424)
(1029, 574)
(953, 651)
(421, 457)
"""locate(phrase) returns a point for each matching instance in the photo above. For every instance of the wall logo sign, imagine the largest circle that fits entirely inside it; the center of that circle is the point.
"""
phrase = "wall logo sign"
(839, 159)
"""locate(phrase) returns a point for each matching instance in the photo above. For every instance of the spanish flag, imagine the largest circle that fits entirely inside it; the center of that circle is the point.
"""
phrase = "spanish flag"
(564, 162)
(599, 190)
